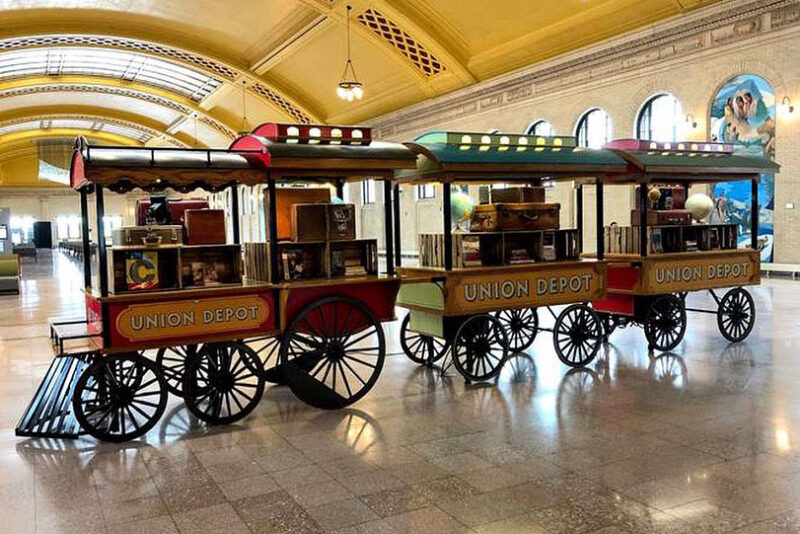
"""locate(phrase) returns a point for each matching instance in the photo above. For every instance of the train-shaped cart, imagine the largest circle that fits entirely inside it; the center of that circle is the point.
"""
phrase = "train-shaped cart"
(216, 345)
(481, 311)
(652, 267)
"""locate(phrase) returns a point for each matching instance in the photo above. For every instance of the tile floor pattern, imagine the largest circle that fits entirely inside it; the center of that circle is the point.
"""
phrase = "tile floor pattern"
(702, 440)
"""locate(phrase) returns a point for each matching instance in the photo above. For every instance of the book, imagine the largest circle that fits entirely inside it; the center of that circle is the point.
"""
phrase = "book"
(141, 270)
(470, 252)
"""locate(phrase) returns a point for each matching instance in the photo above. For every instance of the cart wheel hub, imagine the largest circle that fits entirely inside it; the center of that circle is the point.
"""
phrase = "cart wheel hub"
(335, 352)
(223, 381)
(482, 347)
(516, 324)
(122, 395)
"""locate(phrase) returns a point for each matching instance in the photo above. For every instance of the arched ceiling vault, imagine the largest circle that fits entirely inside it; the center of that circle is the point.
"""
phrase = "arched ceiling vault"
(278, 60)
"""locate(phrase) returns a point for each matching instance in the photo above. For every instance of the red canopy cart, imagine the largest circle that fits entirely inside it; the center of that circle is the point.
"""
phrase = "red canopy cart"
(295, 317)
(653, 266)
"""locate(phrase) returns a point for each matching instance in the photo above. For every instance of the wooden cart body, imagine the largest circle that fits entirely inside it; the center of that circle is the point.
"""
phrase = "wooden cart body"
(443, 300)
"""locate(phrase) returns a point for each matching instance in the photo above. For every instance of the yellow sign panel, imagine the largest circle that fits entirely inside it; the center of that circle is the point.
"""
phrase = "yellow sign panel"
(541, 285)
(183, 318)
(737, 268)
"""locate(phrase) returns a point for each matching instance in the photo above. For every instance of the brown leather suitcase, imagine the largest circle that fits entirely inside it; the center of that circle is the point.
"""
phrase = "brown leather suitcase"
(671, 198)
(341, 222)
(515, 216)
(309, 222)
(177, 209)
(286, 197)
(205, 227)
(518, 194)
(128, 236)
(663, 217)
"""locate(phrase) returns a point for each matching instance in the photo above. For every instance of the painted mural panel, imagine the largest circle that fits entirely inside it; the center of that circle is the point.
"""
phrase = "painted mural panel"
(743, 114)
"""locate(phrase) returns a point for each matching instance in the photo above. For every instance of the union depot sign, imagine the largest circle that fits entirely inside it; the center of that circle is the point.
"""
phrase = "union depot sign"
(137, 323)
(541, 285)
(737, 268)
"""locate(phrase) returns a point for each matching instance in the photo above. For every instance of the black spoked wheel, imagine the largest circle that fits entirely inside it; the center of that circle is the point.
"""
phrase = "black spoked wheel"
(119, 398)
(577, 335)
(420, 348)
(665, 323)
(333, 352)
(480, 347)
(736, 314)
(222, 383)
(520, 326)
(172, 362)
(268, 350)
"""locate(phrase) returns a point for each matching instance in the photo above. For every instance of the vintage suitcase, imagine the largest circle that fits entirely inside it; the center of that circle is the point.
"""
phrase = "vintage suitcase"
(177, 208)
(286, 197)
(309, 222)
(515, 216)
(127, 236)
(341, 222)
(205, 227)
(662, 217)
(670, 198)
(518, 194)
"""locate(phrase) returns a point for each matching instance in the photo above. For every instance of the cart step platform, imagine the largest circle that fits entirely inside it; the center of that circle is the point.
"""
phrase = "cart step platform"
(49, 414)
(69, 330)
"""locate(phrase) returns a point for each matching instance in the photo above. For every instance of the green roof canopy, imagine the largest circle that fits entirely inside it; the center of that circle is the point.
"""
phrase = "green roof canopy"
(480, 157)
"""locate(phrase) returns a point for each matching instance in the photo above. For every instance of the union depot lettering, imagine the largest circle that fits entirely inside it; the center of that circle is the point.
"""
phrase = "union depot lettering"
(160, 320)
(520, 289)
(692, 273)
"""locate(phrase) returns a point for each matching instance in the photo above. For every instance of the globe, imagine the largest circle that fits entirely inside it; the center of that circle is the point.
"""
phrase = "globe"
(700, 206)
(461, 207)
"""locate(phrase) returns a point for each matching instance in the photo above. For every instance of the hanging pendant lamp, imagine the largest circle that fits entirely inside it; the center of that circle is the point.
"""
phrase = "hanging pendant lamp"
(349, 88)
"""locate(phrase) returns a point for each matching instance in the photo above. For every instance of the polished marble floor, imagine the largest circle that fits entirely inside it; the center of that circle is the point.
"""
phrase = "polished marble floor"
(705, 439)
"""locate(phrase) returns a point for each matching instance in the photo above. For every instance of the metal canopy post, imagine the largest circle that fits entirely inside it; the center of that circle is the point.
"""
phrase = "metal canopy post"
(600, 227)
(448, 227)
(643, 219)
(579, 215)
(387, 223)
(754, 213)
(235, 213)
(86, 246)
(102, 267)
(397, 241)
(272, 231)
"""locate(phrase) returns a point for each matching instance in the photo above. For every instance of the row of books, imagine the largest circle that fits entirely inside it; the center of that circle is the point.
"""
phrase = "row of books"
(669, 239)
(304, 261)
(500, 248)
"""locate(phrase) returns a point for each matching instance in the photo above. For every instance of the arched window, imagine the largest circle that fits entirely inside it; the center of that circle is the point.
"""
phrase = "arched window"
(541, 127)
(594, 129)
(661, 119)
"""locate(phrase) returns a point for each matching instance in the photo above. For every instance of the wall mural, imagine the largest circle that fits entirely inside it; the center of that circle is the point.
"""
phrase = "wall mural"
(743, 113)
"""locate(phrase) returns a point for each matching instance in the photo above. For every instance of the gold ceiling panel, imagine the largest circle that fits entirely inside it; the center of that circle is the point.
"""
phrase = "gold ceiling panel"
(281, 59)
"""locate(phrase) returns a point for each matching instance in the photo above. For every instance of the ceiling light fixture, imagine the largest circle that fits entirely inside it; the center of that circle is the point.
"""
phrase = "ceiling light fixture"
(349, 88)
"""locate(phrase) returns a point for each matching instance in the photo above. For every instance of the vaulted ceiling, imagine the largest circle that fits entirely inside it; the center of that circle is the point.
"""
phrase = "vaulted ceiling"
(186, 72)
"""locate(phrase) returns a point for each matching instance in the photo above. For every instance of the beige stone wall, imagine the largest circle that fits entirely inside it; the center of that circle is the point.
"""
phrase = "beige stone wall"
(690, 57)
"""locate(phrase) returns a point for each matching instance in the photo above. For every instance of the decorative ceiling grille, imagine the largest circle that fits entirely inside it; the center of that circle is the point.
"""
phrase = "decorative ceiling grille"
(115, 42)
(390, 32)
(282, 103)
(220, 128)
(81, 88)
(81, 122)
